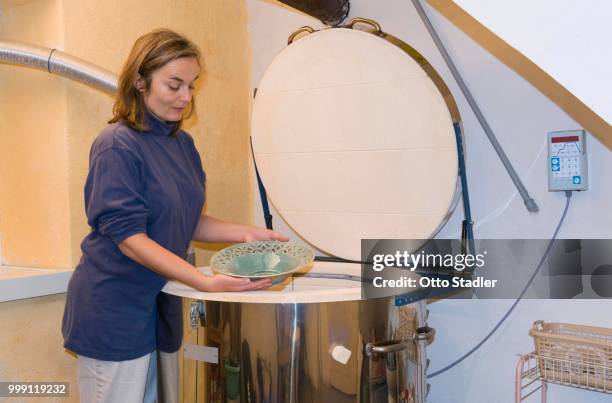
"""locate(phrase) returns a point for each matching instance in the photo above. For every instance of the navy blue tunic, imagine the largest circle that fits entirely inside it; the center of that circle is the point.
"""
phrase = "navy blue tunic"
(138, 182)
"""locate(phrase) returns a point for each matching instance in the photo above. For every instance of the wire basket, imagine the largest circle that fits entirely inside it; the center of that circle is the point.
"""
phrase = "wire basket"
(574, 355)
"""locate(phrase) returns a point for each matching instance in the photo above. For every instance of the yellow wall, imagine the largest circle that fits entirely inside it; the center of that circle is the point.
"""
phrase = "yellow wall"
(34, 211)
(103, 32)
(47, 124)
(52, 121)
(30, 344)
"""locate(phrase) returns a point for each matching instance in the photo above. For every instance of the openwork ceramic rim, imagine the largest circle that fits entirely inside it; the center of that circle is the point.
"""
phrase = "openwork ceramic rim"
(220, 261)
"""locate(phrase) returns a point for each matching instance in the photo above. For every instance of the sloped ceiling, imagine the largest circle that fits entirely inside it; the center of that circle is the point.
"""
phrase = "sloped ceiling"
(560, 46)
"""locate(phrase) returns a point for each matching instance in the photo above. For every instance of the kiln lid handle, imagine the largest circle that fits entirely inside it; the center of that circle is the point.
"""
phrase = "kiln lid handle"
(300, 30)
(366, 21)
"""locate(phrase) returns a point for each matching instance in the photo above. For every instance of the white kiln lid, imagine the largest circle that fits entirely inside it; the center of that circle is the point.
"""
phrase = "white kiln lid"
(353, 140)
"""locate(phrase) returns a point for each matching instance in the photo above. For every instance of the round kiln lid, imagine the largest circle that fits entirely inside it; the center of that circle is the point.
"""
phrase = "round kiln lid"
(352, 141)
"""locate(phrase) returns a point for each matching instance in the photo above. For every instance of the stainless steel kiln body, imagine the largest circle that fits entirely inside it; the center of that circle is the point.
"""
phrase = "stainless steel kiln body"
(315, 352)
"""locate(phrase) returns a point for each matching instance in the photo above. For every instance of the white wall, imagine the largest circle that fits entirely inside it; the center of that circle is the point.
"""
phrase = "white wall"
(574, 49)
(520, 116)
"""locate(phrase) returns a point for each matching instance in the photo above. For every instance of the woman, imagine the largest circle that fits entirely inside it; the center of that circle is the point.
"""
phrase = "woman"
(143, 198)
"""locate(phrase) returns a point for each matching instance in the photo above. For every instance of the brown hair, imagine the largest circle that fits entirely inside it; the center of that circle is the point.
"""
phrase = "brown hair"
(150, 52)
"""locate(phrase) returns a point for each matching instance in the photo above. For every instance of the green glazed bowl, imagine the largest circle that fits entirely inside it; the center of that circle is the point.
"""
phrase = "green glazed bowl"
(262, 259)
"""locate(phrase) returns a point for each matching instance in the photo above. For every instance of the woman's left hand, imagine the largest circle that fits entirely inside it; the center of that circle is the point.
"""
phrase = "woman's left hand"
(263, 234)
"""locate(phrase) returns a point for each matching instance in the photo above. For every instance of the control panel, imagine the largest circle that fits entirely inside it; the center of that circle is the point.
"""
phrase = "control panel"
(567, 160)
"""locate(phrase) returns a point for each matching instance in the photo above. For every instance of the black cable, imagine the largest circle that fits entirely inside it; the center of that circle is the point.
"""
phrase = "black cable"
(568, 195)
(262, 190)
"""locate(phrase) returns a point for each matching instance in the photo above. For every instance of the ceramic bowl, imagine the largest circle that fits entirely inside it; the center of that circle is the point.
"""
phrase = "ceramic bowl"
(262, 259)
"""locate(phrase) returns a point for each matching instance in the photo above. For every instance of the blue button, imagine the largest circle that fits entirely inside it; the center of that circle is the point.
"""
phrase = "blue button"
(576, 180)
(554, 161)
(556, 167)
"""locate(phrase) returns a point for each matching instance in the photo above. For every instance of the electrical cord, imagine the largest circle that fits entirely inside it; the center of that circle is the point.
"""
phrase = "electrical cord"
(568, 195)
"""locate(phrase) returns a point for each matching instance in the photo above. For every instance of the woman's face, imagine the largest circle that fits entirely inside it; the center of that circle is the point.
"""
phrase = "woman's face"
(171, 88)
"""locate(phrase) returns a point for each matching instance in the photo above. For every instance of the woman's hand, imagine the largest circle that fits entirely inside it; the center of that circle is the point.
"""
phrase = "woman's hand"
(221, 282)
(143, 250)
(211, 229)
(262, 234)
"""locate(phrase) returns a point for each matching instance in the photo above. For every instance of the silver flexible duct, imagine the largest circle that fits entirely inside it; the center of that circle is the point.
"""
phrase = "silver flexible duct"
(60, 63)
(529, 202)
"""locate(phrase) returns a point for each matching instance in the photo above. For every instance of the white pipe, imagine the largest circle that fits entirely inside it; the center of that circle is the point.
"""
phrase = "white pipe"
(529, 202)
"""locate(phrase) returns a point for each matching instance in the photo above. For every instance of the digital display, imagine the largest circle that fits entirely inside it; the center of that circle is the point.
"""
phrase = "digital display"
(566, 139)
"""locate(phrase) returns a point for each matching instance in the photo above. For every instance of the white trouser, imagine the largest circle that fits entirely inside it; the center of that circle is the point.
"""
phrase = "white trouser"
(131, 381)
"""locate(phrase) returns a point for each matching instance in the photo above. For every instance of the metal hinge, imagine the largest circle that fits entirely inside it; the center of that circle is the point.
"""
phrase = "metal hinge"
(197, 314)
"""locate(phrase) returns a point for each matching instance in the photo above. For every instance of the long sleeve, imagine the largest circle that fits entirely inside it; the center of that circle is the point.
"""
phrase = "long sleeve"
(138, 182)
(114, 201)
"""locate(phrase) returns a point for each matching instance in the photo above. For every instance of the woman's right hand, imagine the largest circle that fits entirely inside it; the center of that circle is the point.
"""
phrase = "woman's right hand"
(147, 252)
(221, 282)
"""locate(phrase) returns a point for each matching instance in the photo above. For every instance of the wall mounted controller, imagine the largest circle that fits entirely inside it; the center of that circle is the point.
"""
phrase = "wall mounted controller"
(567, 161)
